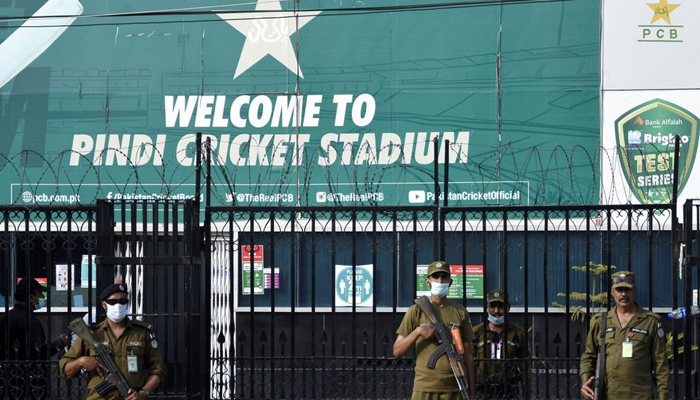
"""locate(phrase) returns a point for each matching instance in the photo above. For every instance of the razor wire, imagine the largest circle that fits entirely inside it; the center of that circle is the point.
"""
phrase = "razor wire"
(551, 176)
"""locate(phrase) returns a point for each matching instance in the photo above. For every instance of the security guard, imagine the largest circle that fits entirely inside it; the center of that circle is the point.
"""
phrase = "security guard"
(416, 331)
(496, 377)
(635, 348)
(132, 343)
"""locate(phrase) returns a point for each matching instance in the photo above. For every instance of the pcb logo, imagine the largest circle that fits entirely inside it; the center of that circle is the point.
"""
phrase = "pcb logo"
(646, 137)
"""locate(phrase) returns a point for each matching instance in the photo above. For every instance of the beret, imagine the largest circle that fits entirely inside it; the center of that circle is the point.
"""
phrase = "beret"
(111, 289)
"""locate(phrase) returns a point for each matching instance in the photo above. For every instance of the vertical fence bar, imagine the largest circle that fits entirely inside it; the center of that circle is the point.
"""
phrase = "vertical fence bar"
(650, 261)
(176, 272)
(688, 296)
(545, 285)
(526, 297)
(233, 362)
(189, 230)
(251, 297)
(484, 303)
(313, 303)
(294, 259)
(629, 240)
(353, 216)
(588, 268)
(436, 203)
(567, 273)
(374, 303)
(463, 242)
(504, 257)
(273, 306)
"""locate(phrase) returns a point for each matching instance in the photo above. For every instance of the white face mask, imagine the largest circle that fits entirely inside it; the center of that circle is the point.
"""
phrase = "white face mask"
(497, 320)
(41, 303)
(117, 312)
(439, 289)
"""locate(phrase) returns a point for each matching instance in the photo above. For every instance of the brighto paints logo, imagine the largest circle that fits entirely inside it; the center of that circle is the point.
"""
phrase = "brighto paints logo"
(634, 138)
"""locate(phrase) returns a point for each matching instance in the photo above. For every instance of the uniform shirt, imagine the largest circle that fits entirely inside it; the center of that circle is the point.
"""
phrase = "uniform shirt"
(18, 319)
(137, 340)
(515, 346)
(441, 379)
(629, 377)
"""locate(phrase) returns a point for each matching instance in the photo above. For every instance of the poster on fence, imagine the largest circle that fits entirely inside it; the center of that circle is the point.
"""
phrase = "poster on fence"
(63, 277)
(267, 278)
(358, 290)
(256, 275)
(470, 277)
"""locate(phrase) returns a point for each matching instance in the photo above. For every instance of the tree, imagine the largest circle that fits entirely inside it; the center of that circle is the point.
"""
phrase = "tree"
(598, 295)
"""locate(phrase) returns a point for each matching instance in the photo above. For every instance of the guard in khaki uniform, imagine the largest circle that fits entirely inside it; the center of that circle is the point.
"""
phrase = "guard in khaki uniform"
(497, 377)
(132, 343)
(438, 383)
(635, 348)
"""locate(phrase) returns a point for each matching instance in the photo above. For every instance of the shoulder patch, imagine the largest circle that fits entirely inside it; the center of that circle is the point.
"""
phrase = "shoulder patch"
(141, 324)
(660, 330)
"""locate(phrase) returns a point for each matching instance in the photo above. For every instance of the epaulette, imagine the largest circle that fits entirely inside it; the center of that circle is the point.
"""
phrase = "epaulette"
(653, 315)
(142, 324)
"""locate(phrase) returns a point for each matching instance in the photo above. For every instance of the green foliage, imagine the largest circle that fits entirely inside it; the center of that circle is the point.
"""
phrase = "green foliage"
(598, 296)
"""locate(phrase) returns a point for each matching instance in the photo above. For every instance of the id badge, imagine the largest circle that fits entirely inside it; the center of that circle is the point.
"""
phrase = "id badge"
(627, 349)
(132, 364)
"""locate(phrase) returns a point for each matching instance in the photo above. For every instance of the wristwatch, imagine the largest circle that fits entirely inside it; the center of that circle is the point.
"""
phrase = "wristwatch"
(145, 392)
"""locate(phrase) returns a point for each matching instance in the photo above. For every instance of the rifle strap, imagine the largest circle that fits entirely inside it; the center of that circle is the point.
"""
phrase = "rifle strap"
(604, 327)
(429, 311)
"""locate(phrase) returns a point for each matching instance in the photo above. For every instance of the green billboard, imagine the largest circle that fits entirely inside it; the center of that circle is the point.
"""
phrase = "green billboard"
(309, 103)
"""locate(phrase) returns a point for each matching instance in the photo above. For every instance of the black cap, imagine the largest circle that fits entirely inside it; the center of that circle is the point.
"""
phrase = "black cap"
(111, 289)
(31, 284)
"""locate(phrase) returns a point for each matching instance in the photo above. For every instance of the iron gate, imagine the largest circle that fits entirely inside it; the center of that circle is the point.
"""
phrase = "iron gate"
(153, 246)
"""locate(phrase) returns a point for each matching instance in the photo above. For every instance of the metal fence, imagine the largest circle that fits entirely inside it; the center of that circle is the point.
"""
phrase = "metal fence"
(295, 337)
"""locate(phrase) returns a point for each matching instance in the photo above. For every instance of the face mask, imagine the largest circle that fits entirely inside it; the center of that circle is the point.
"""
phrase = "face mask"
(439, 289)
(497, 320)
(41, 304)
(117, 312)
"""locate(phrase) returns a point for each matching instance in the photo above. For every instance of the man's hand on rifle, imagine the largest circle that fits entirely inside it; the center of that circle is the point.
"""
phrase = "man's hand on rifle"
(136, 395)
(91, 364)
(426, 331)
(587, 389)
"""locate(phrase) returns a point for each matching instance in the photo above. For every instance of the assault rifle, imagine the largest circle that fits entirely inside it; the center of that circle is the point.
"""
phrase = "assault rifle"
(600, 362)
(445, 347)
(114, 379)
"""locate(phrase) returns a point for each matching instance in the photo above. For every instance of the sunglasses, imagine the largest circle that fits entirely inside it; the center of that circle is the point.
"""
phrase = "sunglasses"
(623, 278)
(112, 302)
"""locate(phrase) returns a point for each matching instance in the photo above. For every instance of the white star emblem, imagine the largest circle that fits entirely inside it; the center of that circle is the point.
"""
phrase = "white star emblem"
(268, 33)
